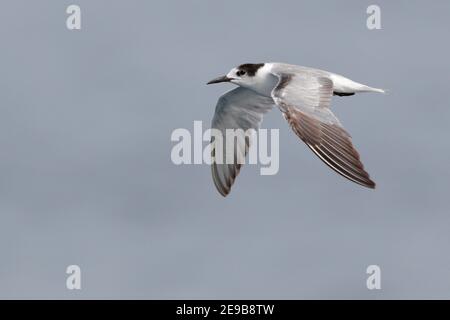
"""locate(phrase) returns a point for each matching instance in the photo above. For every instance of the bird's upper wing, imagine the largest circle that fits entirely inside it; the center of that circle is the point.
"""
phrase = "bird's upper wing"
(304, 95)
(239, 108)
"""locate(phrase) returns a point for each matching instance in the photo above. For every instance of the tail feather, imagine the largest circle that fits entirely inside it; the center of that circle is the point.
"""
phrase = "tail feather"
(370, 89)
(345, 86)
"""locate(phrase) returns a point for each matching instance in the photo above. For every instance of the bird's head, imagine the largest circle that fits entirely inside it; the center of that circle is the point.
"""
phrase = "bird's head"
(243, 75)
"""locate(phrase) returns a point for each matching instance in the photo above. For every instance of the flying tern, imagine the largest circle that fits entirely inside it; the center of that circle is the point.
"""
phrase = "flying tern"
(303, 95)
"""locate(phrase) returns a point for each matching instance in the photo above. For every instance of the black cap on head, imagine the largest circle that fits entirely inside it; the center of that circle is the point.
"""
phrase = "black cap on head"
(250, 68)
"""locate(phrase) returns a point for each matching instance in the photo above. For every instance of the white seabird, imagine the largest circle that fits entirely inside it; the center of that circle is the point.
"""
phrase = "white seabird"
(303, 95)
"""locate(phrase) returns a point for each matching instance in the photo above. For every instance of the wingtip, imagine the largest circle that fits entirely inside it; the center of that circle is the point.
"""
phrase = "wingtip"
(223, 192)
(371, 185)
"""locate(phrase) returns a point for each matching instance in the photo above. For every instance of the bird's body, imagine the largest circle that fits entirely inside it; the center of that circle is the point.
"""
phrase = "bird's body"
(265, 80)
(303, 95)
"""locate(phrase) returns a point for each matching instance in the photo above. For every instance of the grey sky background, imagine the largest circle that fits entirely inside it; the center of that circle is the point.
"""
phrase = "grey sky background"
(86, 176)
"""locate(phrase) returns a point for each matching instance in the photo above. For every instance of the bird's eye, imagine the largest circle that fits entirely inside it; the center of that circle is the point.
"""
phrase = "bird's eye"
(240, 73)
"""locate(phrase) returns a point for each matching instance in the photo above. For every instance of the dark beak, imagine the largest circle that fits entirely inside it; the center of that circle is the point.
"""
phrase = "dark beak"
(220, 79)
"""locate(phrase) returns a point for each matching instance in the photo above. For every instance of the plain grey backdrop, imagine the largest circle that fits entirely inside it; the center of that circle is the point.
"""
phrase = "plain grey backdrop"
(86, 176)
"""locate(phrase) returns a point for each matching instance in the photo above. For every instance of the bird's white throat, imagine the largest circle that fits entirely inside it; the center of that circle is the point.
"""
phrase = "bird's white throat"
(262, 82)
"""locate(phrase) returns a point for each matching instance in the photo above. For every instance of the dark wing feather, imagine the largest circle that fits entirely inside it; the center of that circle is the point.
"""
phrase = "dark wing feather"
(304, 96)
(331, 144)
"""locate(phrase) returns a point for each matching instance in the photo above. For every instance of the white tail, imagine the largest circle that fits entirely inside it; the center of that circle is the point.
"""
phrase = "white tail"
(370, 89)
(345, 85)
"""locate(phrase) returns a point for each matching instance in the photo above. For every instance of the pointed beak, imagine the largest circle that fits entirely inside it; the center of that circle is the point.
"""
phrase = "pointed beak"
(220, 79)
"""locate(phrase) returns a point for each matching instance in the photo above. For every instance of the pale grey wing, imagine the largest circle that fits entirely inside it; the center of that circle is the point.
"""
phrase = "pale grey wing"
(304, 98)
(237, 109)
